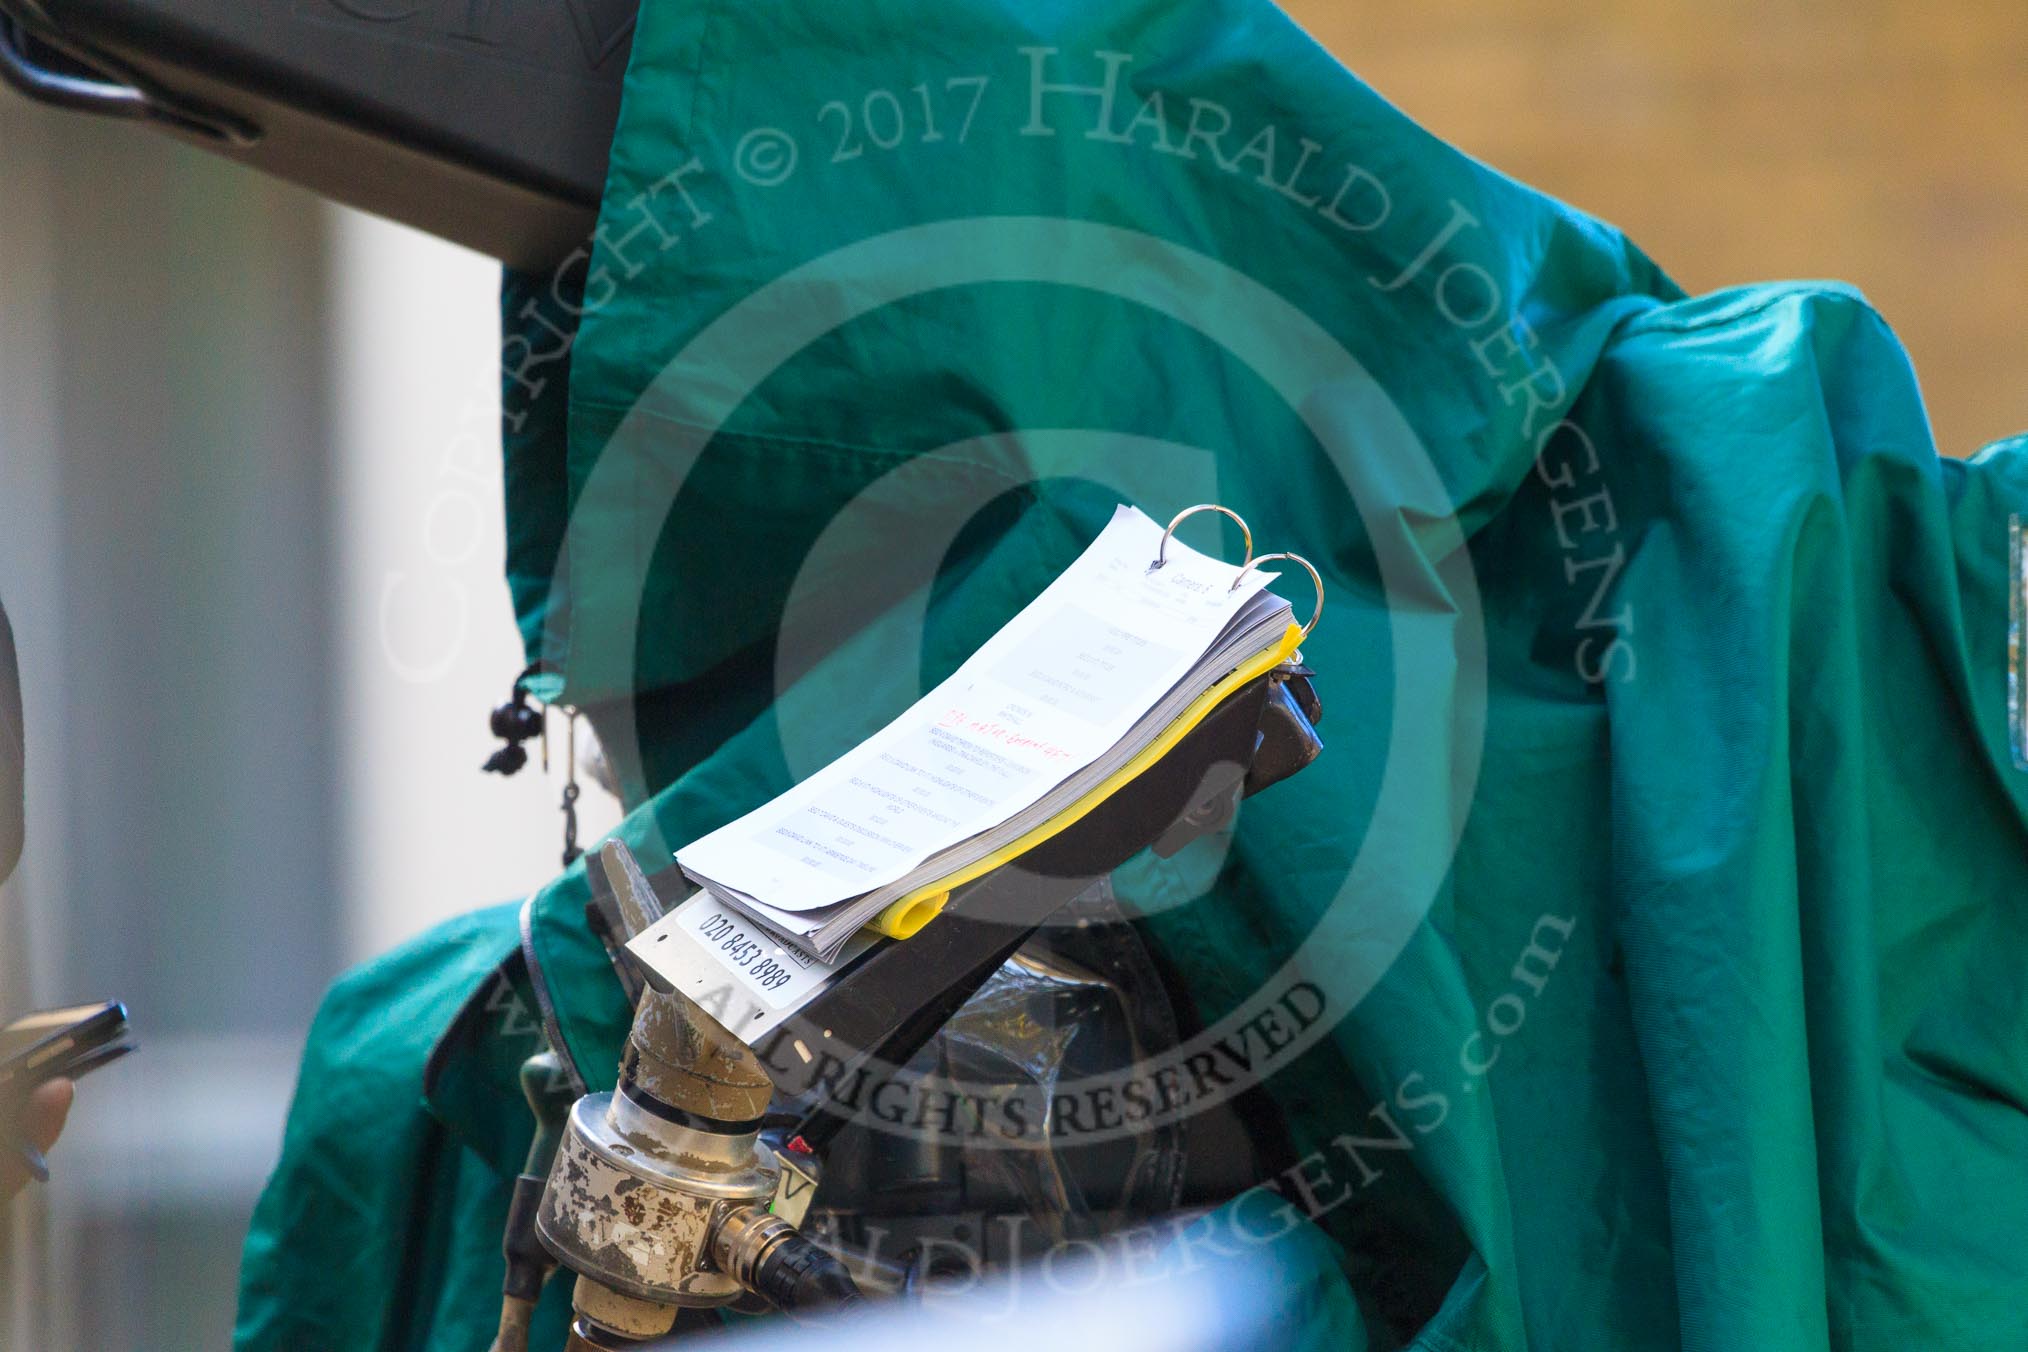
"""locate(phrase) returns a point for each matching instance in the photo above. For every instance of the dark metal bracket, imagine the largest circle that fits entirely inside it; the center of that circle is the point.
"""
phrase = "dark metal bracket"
(51, 72)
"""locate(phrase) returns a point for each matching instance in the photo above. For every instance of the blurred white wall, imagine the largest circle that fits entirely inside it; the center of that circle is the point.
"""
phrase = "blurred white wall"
(31, 588)
(426, 633)
(251, 542)
(165, 529)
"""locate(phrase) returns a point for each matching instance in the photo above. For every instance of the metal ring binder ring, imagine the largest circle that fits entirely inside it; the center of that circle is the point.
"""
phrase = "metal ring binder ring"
(1308, 567)
(1162, 550)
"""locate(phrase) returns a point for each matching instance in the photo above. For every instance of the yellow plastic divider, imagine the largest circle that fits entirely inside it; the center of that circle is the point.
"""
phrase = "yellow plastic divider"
(907, 915)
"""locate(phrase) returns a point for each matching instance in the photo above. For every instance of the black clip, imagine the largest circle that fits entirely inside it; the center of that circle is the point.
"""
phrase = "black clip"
(515, 722)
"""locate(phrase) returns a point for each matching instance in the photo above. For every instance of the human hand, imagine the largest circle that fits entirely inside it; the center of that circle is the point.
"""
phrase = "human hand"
(42, 1117)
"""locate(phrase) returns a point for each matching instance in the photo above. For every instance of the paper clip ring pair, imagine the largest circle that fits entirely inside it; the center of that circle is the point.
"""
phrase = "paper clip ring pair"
(1307, 566)
(1246, 531)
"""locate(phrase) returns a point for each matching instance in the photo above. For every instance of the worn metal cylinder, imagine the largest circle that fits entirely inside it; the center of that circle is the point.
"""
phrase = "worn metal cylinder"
(634, 1196)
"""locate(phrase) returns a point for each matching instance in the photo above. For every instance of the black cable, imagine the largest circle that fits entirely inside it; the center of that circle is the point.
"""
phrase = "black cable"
(799, 1275)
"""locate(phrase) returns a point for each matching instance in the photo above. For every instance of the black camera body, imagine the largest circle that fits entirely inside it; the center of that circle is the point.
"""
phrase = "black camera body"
(483, 122)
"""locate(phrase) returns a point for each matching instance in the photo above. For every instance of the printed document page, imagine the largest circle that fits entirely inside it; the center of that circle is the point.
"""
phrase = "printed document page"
(1050, 693)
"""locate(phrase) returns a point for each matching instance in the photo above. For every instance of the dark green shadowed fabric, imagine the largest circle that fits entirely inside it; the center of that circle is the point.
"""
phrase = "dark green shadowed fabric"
(1664, 883)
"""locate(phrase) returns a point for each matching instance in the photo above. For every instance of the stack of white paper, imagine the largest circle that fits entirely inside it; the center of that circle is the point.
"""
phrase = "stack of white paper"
(1074, 686)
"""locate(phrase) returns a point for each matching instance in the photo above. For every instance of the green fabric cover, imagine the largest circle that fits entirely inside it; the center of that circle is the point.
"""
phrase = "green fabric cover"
(1710, 1031)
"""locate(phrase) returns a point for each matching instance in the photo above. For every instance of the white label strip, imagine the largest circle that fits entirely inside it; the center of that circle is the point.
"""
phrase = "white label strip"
(740, 974)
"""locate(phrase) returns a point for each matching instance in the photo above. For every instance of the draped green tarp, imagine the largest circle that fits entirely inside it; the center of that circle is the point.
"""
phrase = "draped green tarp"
(1664, 881)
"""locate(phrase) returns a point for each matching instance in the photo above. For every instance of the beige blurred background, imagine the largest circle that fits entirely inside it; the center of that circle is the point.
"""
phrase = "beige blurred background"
(1880, 142)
